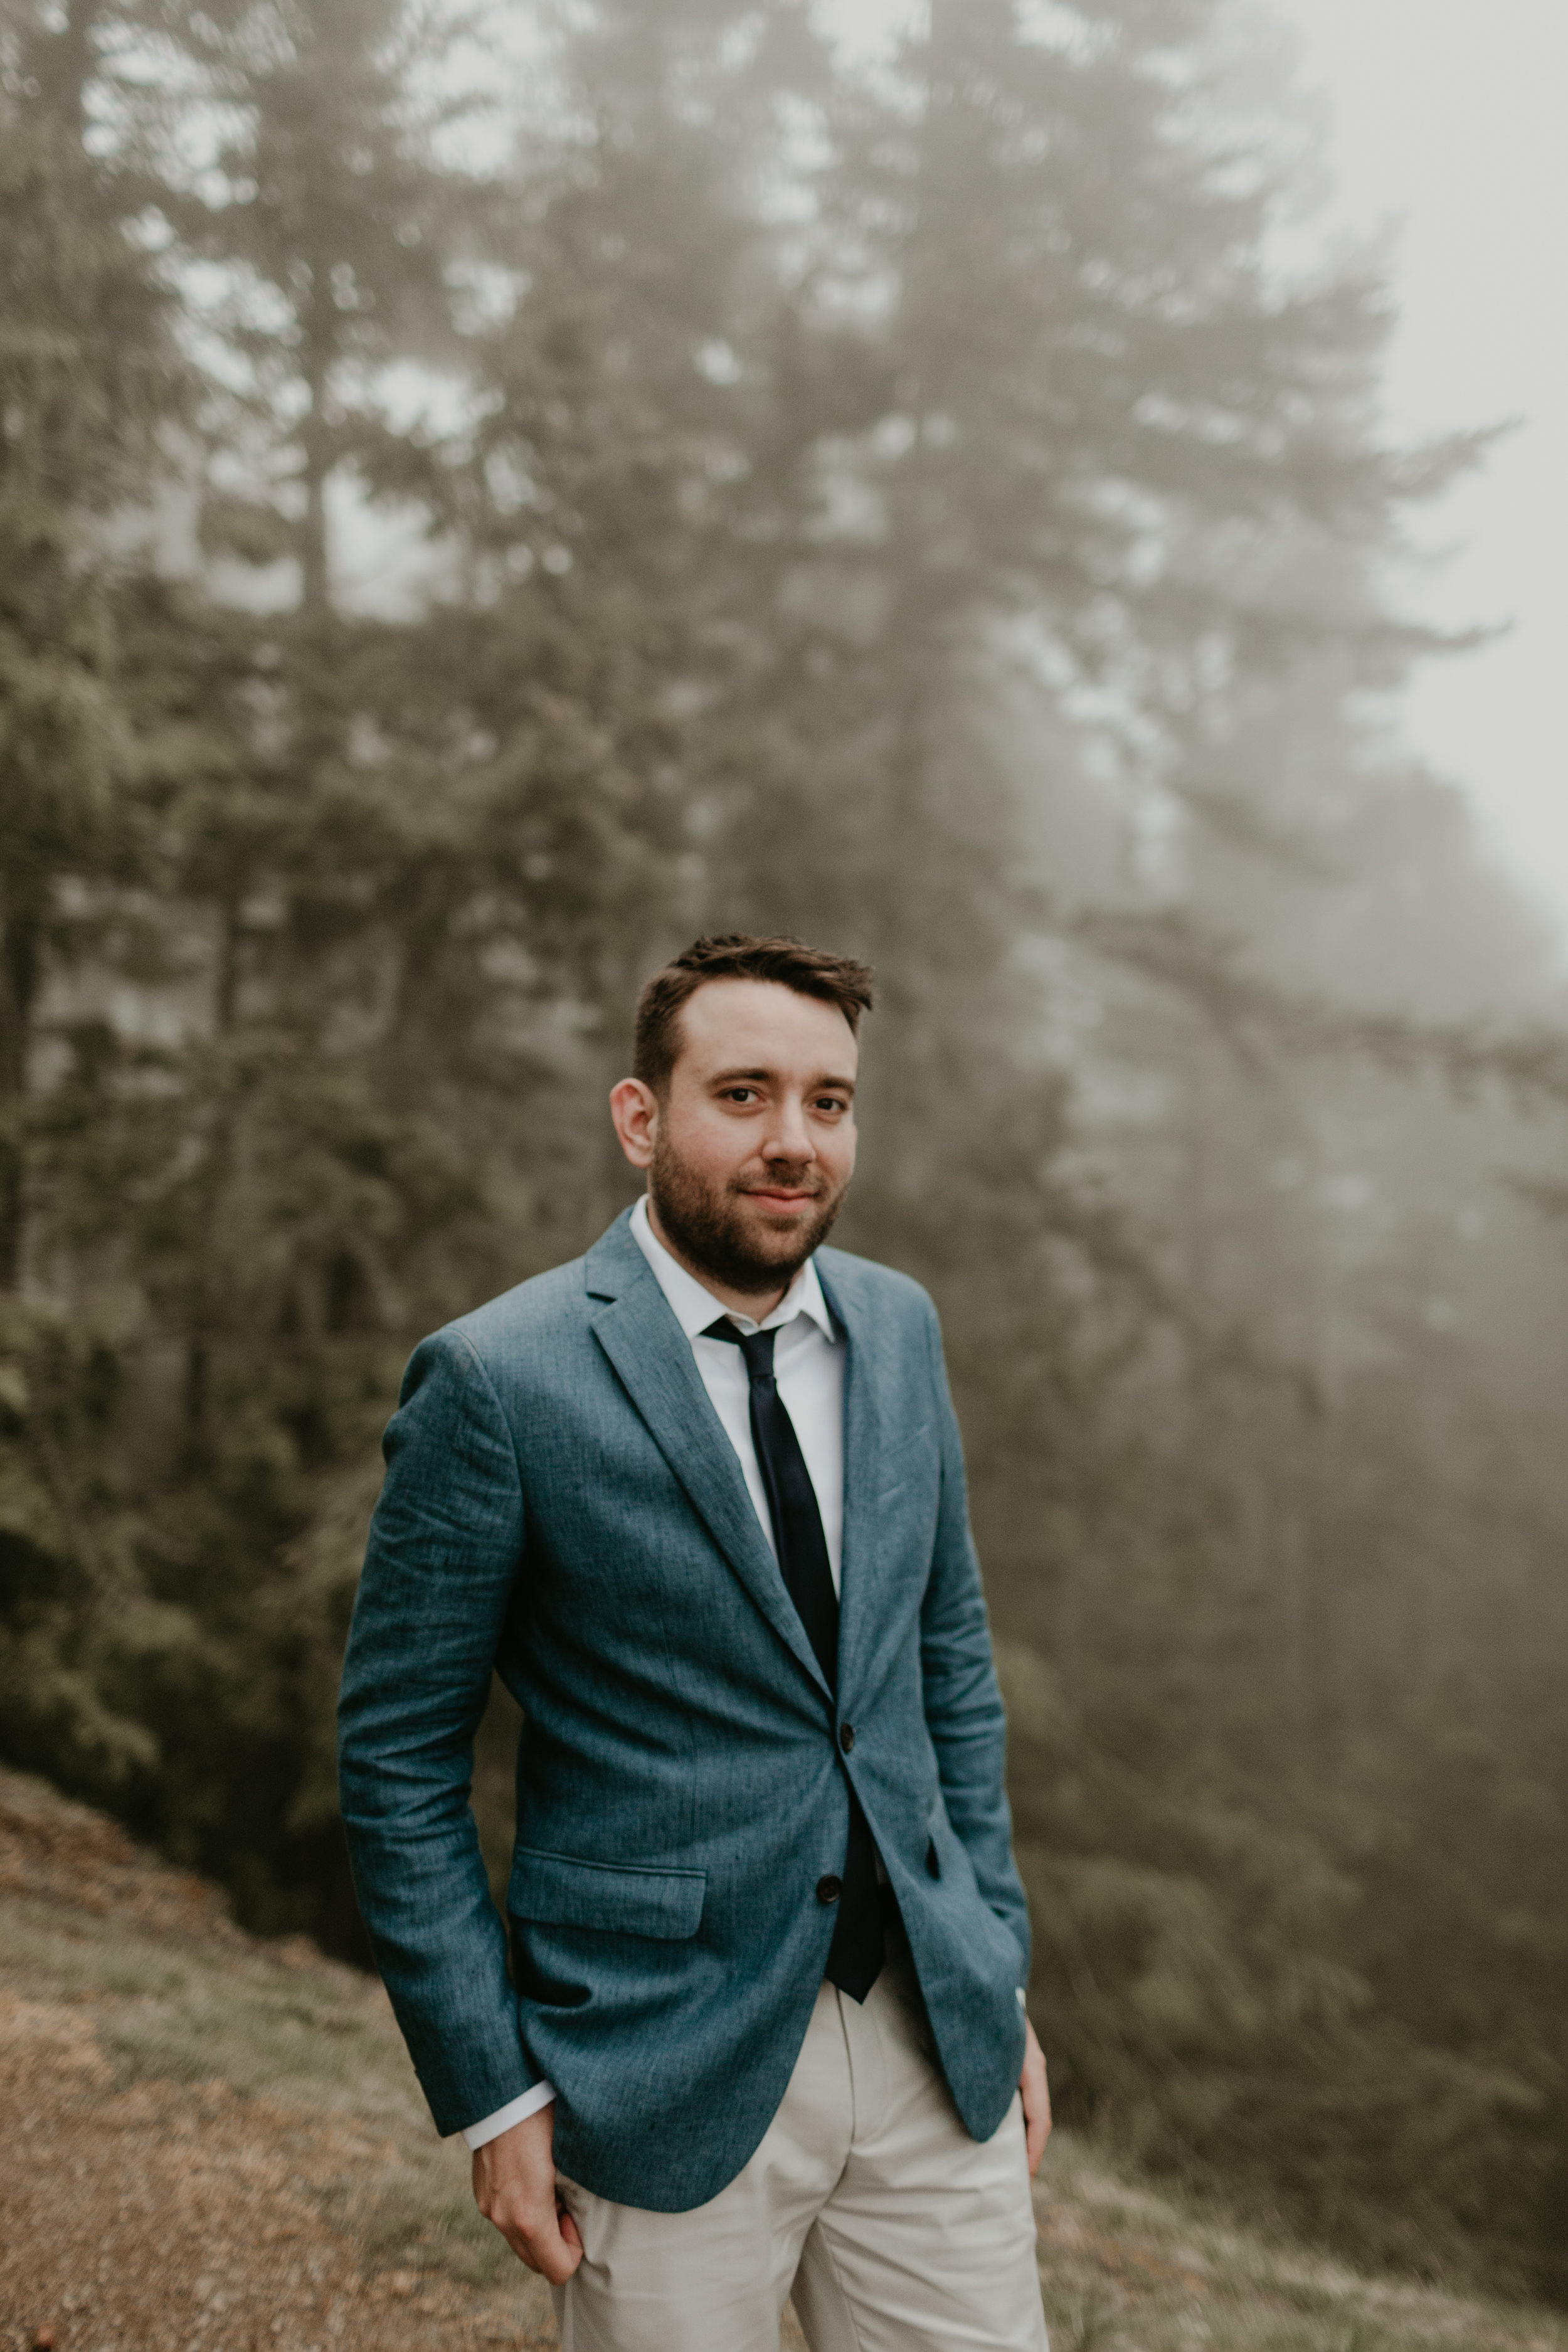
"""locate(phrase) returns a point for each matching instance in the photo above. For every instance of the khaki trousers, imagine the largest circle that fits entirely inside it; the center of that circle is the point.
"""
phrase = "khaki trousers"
(895, 2231)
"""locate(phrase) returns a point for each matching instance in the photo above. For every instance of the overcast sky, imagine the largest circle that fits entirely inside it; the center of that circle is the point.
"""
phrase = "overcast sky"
(1448, 116)
(1447, 123)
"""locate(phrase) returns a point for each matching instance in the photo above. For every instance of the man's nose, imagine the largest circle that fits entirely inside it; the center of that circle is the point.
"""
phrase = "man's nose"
(789, 1136)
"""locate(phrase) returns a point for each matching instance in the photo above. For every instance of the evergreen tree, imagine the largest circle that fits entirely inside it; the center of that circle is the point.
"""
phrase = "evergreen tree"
(906, 506)
(86, 378)
(90, 381)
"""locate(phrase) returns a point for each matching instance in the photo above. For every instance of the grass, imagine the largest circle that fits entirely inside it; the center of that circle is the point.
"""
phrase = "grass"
(305, 2037)
(1129, 2268)
(1125, 2267)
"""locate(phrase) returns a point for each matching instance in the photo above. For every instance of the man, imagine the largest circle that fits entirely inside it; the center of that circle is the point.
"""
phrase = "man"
(699, 1500)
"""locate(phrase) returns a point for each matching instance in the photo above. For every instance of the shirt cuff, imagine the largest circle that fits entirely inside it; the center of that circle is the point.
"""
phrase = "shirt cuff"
(491, 2126)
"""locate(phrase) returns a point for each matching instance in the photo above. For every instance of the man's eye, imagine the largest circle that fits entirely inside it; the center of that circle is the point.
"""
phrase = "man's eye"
(830, 1102)
(740, 1094)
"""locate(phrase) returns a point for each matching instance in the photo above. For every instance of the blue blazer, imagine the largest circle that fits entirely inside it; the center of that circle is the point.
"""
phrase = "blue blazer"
(562, 1504)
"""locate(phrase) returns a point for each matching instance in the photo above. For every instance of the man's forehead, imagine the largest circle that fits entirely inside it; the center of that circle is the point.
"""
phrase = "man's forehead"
(760, 1022)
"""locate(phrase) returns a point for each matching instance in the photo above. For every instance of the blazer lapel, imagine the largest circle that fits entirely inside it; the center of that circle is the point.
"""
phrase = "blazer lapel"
(865, 1437)
(652, 1357)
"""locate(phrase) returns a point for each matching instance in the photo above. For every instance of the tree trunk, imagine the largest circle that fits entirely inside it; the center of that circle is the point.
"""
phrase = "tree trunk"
(61, 63)
(21, 966)
(315, 597)
(220, 1160)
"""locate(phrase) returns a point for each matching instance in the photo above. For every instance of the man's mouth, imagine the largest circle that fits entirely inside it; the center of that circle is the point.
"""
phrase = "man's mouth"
(779, 1196)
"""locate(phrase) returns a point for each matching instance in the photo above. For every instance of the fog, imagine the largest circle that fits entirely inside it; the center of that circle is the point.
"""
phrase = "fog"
(1443, 124)
(959, 500)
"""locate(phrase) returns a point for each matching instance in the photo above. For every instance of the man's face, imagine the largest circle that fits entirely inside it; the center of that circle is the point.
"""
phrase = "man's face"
(751, 1149)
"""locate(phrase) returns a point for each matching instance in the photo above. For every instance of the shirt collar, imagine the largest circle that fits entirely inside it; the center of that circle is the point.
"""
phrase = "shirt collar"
(694, 1305)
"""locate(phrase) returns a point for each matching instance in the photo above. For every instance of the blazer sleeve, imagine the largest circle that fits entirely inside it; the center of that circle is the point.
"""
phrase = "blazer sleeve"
(445, 1544)
(963, 1701)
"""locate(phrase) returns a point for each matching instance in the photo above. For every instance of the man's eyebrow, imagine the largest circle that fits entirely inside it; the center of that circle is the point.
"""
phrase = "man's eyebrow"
(735, 1077)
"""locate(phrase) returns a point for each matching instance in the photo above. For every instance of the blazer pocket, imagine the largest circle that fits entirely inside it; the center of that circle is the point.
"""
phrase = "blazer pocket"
(560, 1891)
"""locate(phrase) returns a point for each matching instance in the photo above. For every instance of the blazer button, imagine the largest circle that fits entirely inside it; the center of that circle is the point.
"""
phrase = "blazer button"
(847, 1736)
(829, 1889)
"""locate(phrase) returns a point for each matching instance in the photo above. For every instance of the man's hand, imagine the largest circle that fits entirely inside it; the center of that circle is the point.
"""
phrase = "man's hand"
(514, 2186)
(1036, 2099)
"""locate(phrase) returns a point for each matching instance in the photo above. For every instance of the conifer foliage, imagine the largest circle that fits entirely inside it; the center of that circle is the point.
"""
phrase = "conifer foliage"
(907, 502)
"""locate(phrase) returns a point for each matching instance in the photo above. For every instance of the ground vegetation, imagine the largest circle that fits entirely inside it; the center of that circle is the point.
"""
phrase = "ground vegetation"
(475, 516)
(223, 2135)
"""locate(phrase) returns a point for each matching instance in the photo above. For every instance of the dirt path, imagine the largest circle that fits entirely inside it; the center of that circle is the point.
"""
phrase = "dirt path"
(167, 2215)
(211, 2144)
(144, 2213)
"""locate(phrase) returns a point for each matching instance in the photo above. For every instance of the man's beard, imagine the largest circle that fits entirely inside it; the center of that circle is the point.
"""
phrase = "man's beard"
(707, 1225)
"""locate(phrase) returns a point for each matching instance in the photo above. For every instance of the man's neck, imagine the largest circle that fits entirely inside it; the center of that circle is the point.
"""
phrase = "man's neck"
(756, 1304)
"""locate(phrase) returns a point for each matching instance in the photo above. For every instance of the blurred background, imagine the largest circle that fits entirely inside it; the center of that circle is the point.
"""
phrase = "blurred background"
(484, 497)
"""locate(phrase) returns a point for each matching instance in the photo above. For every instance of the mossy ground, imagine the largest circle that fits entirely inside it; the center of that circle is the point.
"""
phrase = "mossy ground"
(219, 2143)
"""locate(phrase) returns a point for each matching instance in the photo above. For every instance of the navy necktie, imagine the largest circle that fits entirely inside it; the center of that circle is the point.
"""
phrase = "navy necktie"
(856, 1954)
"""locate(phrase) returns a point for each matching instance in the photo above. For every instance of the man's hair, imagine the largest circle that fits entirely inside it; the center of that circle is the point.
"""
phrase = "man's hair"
(735, 955)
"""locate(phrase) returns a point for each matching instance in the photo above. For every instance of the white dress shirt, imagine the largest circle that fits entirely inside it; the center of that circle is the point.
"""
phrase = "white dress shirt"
(808, 1368)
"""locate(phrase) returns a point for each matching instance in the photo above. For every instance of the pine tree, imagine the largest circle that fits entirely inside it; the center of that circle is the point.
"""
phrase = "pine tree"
(87, 379)
(912, 509)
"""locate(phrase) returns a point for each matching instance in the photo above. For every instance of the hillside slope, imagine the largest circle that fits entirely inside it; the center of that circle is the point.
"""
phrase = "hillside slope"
(217, 2143)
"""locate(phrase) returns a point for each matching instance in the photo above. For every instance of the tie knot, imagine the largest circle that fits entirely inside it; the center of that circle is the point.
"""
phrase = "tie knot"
(757, 1347)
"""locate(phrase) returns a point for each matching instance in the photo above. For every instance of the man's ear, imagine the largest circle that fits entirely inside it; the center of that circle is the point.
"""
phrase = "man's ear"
(634, 1110)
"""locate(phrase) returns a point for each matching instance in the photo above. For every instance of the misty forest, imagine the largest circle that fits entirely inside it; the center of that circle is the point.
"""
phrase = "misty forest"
(483, 500)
